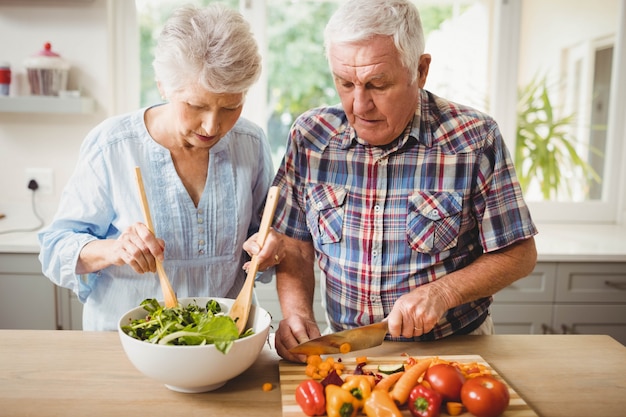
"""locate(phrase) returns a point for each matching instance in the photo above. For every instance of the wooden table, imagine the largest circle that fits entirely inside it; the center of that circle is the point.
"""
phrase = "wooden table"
(74, 373)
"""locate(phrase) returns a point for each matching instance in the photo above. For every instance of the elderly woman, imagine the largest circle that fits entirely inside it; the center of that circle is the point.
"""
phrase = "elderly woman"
(206, 173)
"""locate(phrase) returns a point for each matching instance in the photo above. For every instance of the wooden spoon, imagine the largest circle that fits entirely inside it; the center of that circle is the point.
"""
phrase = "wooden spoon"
(168, 292)
(241, 307)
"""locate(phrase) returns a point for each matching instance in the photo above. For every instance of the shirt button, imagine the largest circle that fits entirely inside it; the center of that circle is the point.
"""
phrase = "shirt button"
(200, 211)
(200, 220)
(320, 205)
(377, 207)
(200, 229)
(436, 212)
(374, 253)
(201, 251)
(201, 242)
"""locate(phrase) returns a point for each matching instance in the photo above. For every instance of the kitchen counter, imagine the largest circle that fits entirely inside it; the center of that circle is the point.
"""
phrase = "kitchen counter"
(581, 243)
(74, 373)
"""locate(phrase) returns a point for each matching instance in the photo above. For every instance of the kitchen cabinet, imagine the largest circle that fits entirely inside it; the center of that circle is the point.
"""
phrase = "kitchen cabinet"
(29, 300)
(557, 297)
(565, 297)
(47, 104)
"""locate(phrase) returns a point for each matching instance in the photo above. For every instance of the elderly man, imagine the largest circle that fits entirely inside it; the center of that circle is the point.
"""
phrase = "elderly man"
(408, 202)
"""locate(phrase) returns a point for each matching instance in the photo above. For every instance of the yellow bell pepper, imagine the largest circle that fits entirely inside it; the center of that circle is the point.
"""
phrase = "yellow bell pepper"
(380, 404)
(360, 386)
(339, 402)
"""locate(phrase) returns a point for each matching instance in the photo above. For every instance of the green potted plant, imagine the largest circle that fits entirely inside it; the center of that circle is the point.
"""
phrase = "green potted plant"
(545, 149)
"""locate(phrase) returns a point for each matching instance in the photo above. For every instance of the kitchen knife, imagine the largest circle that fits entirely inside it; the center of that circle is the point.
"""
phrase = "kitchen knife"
(358, 338)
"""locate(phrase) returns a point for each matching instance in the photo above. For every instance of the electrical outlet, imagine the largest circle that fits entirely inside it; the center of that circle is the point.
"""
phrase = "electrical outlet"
(44, 178)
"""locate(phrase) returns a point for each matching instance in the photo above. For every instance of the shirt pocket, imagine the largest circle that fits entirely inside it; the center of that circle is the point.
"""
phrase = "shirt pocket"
(434, 220)
(325, 212)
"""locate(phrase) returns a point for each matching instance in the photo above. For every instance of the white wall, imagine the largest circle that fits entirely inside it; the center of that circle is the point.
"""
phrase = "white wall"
(541, 45)
(79, 31)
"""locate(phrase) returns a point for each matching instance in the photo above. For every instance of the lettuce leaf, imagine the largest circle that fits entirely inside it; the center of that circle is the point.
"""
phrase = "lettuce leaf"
(191, 325)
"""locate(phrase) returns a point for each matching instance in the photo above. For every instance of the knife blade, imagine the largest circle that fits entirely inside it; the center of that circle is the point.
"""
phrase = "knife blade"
(359, 338)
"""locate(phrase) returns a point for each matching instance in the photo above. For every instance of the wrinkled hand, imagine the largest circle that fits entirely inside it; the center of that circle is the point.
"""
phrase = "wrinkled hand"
(291, 332)
(270, 255)
(139, 248)
(417, 312)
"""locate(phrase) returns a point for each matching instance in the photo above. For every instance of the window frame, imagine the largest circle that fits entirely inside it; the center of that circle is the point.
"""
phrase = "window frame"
(503, 96)
(610, 210)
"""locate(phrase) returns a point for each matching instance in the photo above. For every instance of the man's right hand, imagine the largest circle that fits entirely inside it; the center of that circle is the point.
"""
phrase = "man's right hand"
(291, 332)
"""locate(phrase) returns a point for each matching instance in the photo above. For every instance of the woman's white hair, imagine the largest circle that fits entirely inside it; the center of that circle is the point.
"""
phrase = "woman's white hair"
(212, 46)
(360, 20)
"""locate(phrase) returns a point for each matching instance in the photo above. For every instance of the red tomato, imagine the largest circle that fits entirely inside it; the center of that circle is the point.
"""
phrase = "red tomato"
(485, 396)
(446, 379)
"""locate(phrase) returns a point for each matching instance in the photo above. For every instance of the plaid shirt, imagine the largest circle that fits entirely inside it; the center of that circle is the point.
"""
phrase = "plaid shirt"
(384, 220)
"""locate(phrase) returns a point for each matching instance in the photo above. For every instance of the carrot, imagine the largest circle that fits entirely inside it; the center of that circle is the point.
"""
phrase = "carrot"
(345, 348)
(402, 389)
(387, 382)
(454, 408)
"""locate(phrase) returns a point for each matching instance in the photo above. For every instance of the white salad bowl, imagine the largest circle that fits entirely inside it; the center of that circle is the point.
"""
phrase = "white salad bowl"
(201, 368)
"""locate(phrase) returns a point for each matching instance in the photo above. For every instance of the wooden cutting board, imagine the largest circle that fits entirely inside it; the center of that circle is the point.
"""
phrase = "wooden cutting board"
(291, 374)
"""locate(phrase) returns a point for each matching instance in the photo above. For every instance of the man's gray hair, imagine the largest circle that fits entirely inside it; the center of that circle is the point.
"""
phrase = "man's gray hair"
(212, 46)
(360, 20)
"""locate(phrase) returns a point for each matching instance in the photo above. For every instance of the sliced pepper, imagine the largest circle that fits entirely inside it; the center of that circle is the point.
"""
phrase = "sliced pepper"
(360, 386)
(310, 397)
(380, 404)
(339, 402)
(424, 402)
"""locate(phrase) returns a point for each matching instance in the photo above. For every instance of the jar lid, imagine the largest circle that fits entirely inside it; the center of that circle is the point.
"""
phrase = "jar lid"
(46, 59)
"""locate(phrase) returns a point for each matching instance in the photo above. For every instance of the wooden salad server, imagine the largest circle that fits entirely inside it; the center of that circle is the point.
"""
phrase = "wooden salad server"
(241, 307)
(169, 296)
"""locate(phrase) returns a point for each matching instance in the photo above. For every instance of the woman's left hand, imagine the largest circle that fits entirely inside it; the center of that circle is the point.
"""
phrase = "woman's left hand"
(270, 255)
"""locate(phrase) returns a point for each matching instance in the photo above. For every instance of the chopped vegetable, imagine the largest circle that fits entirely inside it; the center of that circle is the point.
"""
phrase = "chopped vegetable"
(190, 325)
(267, 386)
(454, 408)
(391, 368)
(317, 368)
(424, 402)
(332, 378)
(345, 348)
(361, 359)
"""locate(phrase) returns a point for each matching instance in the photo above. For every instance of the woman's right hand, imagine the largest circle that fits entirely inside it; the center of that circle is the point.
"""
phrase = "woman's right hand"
(139, 248)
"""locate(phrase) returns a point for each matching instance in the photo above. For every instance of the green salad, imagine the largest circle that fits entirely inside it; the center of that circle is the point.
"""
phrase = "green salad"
(190, 325)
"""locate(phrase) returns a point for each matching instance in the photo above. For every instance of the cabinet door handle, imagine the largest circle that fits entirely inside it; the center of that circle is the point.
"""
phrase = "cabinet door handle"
(616, 285)
(567, 330)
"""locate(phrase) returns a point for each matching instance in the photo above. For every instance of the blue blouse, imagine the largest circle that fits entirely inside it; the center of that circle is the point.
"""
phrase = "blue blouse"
(203, 245)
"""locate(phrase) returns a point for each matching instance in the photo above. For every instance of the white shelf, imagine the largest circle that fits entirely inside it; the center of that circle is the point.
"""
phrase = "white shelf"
(47, 104)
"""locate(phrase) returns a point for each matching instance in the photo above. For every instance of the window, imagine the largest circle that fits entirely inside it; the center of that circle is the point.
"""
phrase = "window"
(568, 139)
(485, 52)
